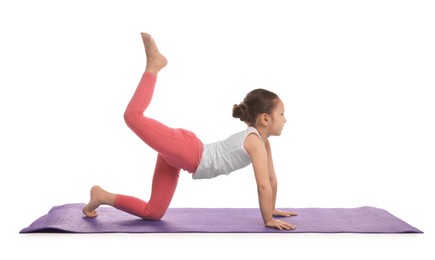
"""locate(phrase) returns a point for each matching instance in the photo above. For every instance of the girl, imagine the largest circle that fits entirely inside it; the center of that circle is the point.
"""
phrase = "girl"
(261, 110)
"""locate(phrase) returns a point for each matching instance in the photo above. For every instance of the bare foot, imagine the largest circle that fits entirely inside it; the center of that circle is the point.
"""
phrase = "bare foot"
(98, 198)
(155, 60)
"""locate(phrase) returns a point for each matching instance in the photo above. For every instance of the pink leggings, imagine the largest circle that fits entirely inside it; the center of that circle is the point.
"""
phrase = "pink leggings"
(177, 149)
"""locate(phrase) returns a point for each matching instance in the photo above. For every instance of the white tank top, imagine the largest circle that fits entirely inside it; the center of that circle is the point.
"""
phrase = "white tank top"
(225, 156)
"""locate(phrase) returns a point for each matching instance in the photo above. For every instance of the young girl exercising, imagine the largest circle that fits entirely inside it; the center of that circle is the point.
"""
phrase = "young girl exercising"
(261, 110)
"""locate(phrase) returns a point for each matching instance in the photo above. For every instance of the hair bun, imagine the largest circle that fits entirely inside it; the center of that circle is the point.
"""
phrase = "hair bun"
(241, 111)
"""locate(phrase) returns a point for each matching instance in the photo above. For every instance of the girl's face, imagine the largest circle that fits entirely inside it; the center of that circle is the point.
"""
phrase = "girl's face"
(278, 119)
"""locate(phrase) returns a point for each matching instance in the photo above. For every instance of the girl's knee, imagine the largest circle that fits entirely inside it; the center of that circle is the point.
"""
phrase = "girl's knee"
(155, 216)
(130, 116)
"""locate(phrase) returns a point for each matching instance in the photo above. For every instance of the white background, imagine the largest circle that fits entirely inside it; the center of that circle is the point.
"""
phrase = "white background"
(357, 79)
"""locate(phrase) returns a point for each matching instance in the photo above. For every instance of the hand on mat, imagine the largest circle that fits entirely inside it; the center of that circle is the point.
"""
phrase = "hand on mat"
(281, 213)
(279, 224)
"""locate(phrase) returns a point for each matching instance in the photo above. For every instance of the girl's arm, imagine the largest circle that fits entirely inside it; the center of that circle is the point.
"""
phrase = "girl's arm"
(271, 172)
(274, 183)
(257, 150)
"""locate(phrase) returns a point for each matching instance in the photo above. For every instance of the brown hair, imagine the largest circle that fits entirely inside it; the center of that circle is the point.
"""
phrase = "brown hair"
(256, 102)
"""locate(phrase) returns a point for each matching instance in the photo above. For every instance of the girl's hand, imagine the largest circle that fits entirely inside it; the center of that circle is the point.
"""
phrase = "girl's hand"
(280, 213)
(279, 224)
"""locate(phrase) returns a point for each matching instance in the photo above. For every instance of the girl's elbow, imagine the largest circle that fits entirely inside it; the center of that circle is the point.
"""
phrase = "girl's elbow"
(273, 180)
(263, 188)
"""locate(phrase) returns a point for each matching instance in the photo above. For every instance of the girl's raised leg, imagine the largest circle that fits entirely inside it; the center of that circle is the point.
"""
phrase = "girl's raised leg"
(155, 61)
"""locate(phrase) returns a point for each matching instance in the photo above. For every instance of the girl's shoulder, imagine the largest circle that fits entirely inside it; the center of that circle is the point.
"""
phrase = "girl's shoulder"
(253, 142)
(252, 130)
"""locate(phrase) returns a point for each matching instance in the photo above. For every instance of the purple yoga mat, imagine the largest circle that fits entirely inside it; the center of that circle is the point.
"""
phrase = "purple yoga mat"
(69, 218)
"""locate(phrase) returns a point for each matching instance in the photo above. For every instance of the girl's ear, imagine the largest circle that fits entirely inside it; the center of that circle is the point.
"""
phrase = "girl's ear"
(264, 119)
